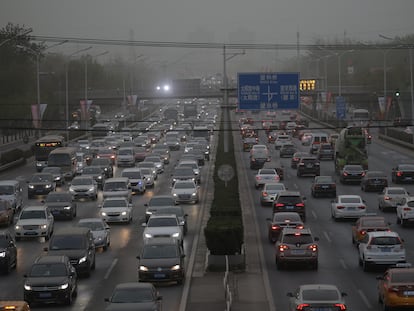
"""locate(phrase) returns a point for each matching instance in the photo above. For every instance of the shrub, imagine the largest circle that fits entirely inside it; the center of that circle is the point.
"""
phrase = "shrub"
(11, 155)
(224, 235)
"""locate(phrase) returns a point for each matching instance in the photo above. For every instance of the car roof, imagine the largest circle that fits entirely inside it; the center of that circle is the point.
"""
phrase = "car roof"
(297, 230)
(35, 208)
(343, 196)
(134, 285)
(383, 233)
(51, 259)
(9, 182)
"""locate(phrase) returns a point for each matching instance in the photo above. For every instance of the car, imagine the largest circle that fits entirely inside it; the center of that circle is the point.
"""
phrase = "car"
(125, 157)
(194, 165)
(158, 162)
(135, 295)
(366, 224)
(116, 209)
(183, 173)
(51, 279)
(163, 152)
(175, 210)
(271, 136)
(348, 206)
(142, 152)
(258, 157)
(8, 252)
(306, 139)
(96, 172)
(395, 287)
(84, 187)
(185, 191)
(325, 151)
(308, 165)
(265, 175)
(158, 201)
(161, 260)
(351, 173)
(105, 164)
(57, 173)
(287, 150)
(163, 226)
(107, 153)
(6, 213)
(78, 244)
(34, 221)
(290, 201)
(282, 139)
(269, 192)
(405, 211)
(101, 231)
(249, 142)
(323, 186)
(317, 297)
(61, 205)
(374, 181)
(296, 246)
(117, 187)
(296, 158)
(151, 166)
(283, 220)
(136, 179)
(148, 177)
(402, 173)
(11, 191)
(40, 184)
(381, 248)
(390, 197)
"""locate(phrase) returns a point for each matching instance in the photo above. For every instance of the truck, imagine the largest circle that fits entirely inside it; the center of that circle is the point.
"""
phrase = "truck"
(350, 148)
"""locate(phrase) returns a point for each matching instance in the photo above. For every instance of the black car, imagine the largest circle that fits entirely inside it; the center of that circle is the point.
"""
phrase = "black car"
(161, 260)
(326, 151)
(403, 173)
(61, 204)
(323, 185)
(290, 201)
(308, 166)
(258, 158)
(287, 150)
(282, 220)
(352, 173)
(52, 279)
(105, 164)
(40, 184)
(96, 172)
(8, 250)
(374, 181)
(296, 158)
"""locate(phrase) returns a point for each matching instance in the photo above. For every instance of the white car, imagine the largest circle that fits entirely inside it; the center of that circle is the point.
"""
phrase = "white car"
(136, 179)
(265, 175)
(148, 177)
(100, 230)
(348, 206)
(270, 191)
(116, 209)
(33, 222)
(390, 197)
(405, 211)
(282, 139)
(163, 225)
(185, 191)
(158, 162)
(381, 248)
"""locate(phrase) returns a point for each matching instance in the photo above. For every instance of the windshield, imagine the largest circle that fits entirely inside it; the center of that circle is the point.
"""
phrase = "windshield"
(114, 203)
(161, 201)
(162, 222)
(82, 181)
(159, 251)
(42, 178)
(92, 170)
(48, 270)
(6, 190)
(59, 159)
(132, 295)
(115, 186)
(33, 215)
(320, 294)
(67, 242)
(132, 175)
(184, 185)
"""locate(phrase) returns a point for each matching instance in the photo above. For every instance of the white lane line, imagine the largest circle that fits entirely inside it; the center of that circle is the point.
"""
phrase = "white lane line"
(111, 267)
(314, 214)
(343, 264)
(365, 299)
(327, 236)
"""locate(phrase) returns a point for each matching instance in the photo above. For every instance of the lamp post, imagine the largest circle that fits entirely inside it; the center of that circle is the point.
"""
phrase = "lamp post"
(67, 89)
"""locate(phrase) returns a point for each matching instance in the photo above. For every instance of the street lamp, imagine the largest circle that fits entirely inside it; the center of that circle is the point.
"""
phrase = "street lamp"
(67, 89)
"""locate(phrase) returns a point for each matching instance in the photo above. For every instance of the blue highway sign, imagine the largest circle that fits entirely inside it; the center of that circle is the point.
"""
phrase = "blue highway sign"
(268, 91)
(340, 108)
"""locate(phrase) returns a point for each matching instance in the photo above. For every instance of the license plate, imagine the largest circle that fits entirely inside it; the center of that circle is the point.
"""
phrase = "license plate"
(351, 208)
(159, 275)
(30, 233)
(408, 293)
(309, 165)
(321, 309)
(386, 249)
(325, 187)
(45, 295)
(408, 178)
(289, 206)
(298, 252)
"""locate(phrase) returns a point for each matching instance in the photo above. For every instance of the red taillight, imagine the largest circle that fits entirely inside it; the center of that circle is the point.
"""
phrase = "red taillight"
(313, 247)
(361, 207)
(302, 306)
(399, 173)
(406, 209)
(363, 174)
(300, 226)
(112, 157)
(279, 205)
(300, 205)
(341, 306)
(258, 177)
(295, 159)
(264, 194)
(362, 232)
(275, 227)
(283, 247)
(340, 207)
(387, 198)
(345, 173)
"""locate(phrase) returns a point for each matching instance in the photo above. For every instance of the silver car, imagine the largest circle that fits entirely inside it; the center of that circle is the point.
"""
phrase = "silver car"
(185, 191)
(100, 230)
(269, 192)
(84, 187)
(391, 197)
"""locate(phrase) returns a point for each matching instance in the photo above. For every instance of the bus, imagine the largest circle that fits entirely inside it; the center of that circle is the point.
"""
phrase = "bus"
(42, 148)
(66, 159)
(360, 117)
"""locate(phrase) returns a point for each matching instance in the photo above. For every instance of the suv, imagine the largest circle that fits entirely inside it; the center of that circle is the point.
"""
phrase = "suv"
(117, 187)
(290, 201)
(61, 204)
(308, 166)
(106, 166)
(52, 279)
(78, 244)
(296, 246)
(161, 259)
(136, 179)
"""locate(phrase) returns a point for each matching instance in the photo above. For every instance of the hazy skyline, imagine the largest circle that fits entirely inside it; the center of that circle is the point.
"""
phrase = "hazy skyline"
(219, 21)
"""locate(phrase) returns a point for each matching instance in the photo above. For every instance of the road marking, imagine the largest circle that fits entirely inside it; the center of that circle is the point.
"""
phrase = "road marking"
(327, 236)
(343, 264)
(365, 299)
(314, 215)
(111, 267)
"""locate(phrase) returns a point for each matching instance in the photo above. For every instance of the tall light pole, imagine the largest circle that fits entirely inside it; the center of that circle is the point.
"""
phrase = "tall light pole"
(67, 89)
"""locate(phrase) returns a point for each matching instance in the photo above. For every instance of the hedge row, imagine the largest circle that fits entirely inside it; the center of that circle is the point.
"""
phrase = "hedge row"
(14, 155)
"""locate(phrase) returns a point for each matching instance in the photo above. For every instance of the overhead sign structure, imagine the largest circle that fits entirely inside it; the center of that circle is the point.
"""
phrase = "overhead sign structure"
(340, 107)
(268, 91)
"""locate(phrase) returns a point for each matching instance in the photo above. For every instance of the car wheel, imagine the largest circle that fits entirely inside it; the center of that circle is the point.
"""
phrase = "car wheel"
(365, 265)
(93, 264)
(105, 247)
(403, 222)
(68, 301)
(315, 265)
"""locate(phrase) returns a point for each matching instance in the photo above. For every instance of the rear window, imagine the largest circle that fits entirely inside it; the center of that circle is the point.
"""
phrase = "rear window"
(320, 294)
(289, 199)
(385, 240)
(396, 191)
(297, 239)
(406, 277)
(350, 200)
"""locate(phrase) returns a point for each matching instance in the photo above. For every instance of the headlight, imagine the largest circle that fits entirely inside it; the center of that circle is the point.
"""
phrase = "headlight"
(148, 212)
(3, 254)
(99, 238)
(64, 286)
(174, 179)
(48, 186)
(176, 235)
(143, 268)
(194, 194)
(17, 227)
(99, 177)
(91, 189)
(31, 186)
(43, 226)
(123, 213)
(176, 267)
(174, 194)
(27, 287)
(83, 259)
(57, 178)
(103, 213)
(71, 190)
(67, 207)
(140, 183)
(148, 235)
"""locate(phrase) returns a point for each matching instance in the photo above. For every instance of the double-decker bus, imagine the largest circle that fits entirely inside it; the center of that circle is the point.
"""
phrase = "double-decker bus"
(42, 148)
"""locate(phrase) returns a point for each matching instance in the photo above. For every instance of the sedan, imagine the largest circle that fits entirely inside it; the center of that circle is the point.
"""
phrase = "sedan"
(351, 173)
(283, 220)
(403, 173)
(61, 205)
(100, 230)
(163, 225)
(323, 185)
(368, 224)
(134, 296)
(185, 191)
(270, 191)
(84, 187)
(374, 180)
(390, 197)
(265, 175)
(40, 184)
(317, 297)
(348, 206)
(296, 158)
(116, 209)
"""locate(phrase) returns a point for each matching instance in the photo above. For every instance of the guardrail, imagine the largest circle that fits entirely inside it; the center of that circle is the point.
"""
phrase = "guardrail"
(228, 293)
